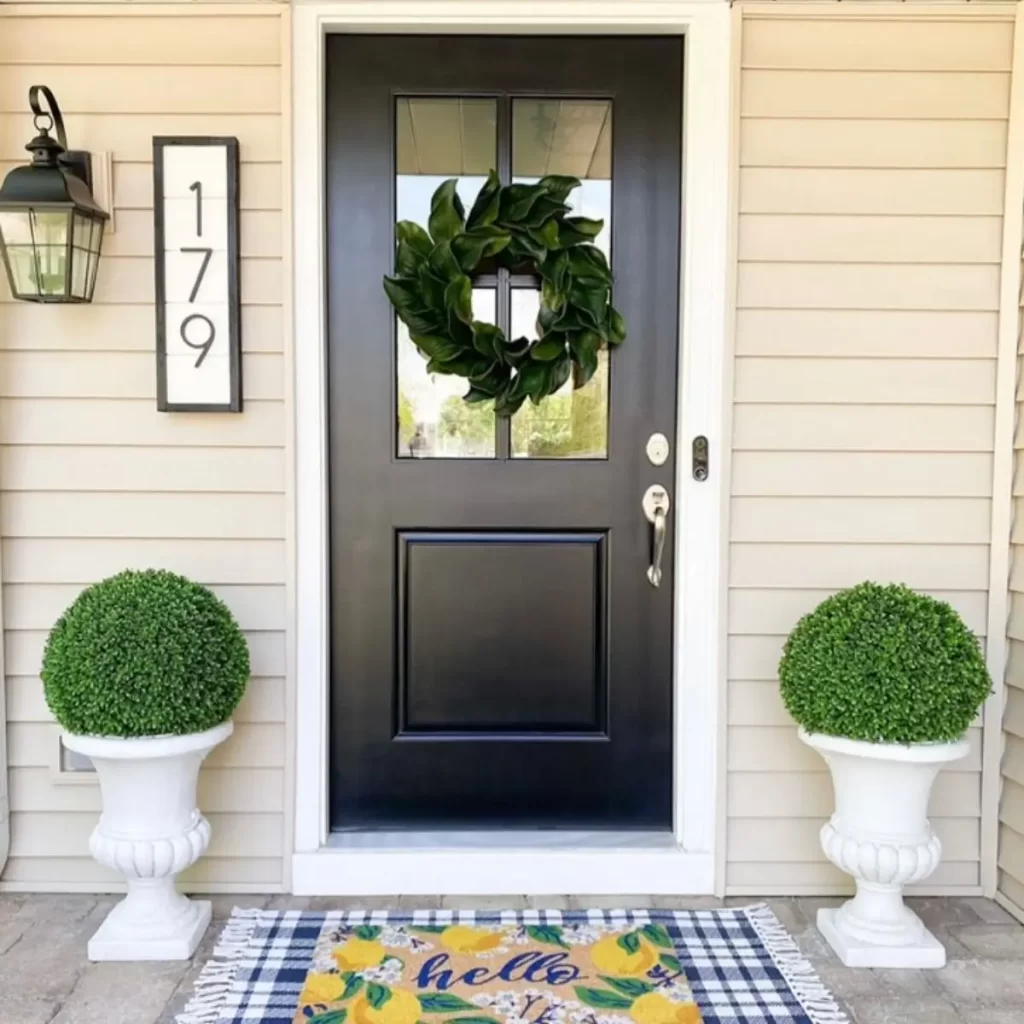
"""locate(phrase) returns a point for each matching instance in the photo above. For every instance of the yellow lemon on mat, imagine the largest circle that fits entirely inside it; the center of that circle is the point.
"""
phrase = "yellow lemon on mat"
(460, 938)
(654, 1008)
(610, 958)
(321, 988)
(357, 954)
(402, 1008)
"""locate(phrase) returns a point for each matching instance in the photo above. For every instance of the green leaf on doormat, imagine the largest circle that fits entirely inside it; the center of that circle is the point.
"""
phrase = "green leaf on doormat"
(547, 933)
(430, 929)
(671, 962)
(601, 999)
(330, 1017)
(443, 1002)
(377, 995)
(659, 935)
(353, 983)
(367, 931)
(631, 987)
(630, 942)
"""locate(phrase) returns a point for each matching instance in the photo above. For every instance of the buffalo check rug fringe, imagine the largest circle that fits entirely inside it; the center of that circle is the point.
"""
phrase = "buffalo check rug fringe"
(729, 966)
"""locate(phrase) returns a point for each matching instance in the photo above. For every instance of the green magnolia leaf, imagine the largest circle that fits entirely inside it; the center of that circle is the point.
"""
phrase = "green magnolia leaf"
(447, 214)
(586, 226)
(458, 297)
(487, 339)
(545, 351)
(330, 1017)
(443, 262)
(436, 347)
(408, 305)
(516, 351)
(547, 235)
(532, 380)
(616, 327)
(632, 987)
(630, 942)
(463, 365)
(485, 206)
(517, 201)
(671, 962)
(548, 933)
(559, 185)
(584, 346)
(443, 1002)
(658, 934)
(601, 999)
(414, 247)
(560, 371)
(377, 995)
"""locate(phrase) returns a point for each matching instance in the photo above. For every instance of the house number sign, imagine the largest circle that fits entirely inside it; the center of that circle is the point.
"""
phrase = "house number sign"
(198, 333)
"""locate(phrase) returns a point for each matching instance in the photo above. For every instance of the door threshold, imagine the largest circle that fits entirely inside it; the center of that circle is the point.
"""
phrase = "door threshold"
(492, 863)
(508, 839)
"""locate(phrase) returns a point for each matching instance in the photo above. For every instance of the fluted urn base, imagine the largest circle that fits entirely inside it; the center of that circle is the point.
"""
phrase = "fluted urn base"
(149, 831)
(880, 835)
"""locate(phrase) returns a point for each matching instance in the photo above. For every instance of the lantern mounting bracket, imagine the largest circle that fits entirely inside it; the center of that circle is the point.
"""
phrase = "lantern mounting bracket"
(77, 161)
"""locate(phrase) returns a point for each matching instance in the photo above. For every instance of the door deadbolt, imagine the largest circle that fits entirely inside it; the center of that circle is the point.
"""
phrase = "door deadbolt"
(700, 458)
(657, 449)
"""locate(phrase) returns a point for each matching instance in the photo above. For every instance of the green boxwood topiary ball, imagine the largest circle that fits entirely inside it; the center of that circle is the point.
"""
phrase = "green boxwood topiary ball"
(145, 654)
(883, 664)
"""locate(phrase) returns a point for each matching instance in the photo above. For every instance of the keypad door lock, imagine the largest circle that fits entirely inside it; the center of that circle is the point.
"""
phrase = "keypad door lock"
(700, 458)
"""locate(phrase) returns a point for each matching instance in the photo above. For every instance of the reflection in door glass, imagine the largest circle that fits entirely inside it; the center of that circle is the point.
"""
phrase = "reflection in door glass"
(568, 424)
(433, 420)
(568, 137)
(438, 139)
(558, 136)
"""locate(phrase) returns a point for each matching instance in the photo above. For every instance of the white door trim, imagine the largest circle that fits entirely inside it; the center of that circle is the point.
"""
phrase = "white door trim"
(686, 865)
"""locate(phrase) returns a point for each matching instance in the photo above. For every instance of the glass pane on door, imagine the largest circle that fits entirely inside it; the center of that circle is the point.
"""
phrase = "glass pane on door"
(569, 424)
(564, 136)
(436, 139)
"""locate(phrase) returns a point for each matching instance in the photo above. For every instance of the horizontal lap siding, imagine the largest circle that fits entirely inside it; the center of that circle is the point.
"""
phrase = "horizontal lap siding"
(92, 478)
(872, 157)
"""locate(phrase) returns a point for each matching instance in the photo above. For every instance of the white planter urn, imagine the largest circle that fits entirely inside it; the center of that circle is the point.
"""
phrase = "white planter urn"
(880, 834)
(149, 831)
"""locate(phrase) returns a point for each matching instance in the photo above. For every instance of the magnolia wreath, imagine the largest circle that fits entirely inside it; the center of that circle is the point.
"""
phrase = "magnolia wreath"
(523, 228)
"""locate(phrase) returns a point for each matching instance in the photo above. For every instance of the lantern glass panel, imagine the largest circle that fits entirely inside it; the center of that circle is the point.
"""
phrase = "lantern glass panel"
(80, 273)
(51, 227)
(15, 227)
(22, 262)
(94, 256)
(53, 268)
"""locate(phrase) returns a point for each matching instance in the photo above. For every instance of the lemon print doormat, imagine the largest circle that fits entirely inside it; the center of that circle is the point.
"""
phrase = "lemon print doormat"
(733, 966)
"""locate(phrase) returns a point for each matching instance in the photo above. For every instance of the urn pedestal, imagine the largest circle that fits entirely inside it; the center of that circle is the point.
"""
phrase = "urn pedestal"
(150, 831)
(880, 835)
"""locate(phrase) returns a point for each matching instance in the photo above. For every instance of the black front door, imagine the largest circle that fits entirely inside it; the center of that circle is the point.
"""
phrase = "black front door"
(498, 655)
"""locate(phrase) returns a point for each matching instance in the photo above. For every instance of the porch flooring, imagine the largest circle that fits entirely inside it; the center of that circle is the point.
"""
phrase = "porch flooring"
(45, 978)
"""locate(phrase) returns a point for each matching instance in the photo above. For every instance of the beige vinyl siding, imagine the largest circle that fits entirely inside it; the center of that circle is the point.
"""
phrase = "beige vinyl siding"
(872, 155)
(92, 478)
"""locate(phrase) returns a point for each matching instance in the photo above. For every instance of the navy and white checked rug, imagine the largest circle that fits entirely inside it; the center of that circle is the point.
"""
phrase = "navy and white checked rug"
(731, 966)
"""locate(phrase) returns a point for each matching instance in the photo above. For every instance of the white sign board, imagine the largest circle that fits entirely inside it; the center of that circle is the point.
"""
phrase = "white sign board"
(198, 332)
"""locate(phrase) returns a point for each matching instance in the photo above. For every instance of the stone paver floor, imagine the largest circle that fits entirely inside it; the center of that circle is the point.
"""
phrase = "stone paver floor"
(46, 979)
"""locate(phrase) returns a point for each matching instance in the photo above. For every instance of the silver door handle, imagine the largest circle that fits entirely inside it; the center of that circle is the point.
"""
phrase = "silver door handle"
(656, 504)
(654, 569)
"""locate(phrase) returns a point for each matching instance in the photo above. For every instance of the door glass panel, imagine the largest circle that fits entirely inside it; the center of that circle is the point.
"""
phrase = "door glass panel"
(438, 139)
(569, 424)
(433, 420)
(558, 136)
(568, 137)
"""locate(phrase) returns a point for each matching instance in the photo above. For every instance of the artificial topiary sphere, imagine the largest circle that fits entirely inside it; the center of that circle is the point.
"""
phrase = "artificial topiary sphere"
(145, 654)
(883, 664)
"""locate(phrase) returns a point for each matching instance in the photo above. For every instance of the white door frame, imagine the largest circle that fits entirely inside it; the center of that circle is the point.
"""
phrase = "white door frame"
(684, 862)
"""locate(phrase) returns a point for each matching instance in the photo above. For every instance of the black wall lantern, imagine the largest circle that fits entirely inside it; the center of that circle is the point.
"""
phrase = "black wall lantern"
(51, 228)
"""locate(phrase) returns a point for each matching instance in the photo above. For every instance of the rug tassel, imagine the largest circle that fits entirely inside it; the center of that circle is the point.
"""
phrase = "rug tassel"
(215, 979)
(815, 998)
